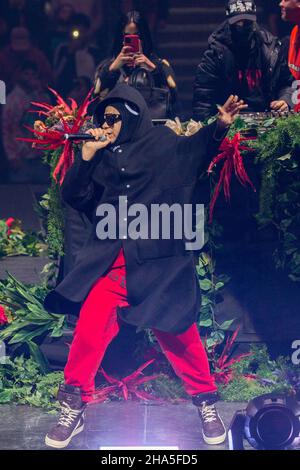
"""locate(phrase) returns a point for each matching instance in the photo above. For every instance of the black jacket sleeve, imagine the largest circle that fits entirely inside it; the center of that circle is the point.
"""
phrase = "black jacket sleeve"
(201, 147)
(164, 76)
(283, 78)
(208, 83)
(108, 79)
(78, 189)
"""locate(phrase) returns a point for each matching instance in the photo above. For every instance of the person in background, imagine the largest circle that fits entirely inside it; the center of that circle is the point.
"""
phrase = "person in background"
(4, 32)
(155, 11)
(290, 12)
(272, 19)
(25, 163)
(30, 14)
(61, 26)
(18, 50)
(123, 64)
(91, 8)
(77, 58)
(242, 59)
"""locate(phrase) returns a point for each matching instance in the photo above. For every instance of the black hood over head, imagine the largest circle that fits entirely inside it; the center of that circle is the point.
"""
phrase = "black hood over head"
(136, 120)
(130, 119)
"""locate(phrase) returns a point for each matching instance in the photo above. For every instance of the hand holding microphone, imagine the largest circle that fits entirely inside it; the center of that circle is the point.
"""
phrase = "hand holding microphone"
(100, 141)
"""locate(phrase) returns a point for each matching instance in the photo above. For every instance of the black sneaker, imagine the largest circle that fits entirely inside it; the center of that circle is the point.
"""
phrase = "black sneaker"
(71, 419)
(213, 429)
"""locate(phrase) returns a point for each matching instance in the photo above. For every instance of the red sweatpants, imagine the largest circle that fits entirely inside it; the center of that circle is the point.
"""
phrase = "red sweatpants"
(98, 324)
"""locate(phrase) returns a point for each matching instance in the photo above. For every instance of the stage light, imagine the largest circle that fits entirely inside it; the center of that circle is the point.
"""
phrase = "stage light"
(75, 34)
(270, 422)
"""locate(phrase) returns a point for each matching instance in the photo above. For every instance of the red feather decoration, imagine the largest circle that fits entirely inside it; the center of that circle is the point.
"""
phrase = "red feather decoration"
(231, 153)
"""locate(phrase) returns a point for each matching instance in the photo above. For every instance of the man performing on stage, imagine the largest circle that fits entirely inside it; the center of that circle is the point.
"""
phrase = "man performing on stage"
(150, 283)
(290, 11)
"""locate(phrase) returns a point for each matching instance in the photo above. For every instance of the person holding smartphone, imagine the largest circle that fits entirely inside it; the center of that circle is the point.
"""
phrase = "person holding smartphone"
(132, 52)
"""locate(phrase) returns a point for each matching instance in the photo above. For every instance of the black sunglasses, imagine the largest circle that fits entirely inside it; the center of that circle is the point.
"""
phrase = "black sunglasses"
(112, 119)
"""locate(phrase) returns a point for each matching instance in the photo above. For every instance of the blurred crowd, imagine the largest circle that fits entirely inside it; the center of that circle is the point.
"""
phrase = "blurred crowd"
(66, 44)
(57, 43)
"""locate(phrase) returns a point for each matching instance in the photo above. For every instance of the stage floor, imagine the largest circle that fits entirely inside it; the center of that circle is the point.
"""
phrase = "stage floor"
(114, 424)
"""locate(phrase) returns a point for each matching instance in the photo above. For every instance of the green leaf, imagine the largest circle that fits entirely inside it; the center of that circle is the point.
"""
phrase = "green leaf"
(227, 324)
(269, 122)
(39, 357)
(285, 157)
(205, 300)
(201, 271)
(57, 332)
(205, 284)
(218, 336)
(25, 336)
(219, 285)
(24, 291)
(206, 323)
(10, 329)
(5, 396)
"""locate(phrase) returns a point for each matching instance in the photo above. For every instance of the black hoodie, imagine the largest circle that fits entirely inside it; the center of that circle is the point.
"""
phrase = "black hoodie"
(154, 166)
(217, 75)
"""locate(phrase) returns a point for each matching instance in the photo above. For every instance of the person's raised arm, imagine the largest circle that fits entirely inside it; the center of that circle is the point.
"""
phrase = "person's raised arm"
(204, 144)
(78, 189)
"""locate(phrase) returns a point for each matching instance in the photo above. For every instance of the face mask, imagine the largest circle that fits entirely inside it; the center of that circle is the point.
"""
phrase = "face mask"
(242, 35)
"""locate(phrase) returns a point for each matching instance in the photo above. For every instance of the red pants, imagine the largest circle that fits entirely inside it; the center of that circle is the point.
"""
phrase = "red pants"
(98, 324)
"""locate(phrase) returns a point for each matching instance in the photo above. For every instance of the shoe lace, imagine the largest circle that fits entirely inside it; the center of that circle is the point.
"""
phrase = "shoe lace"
(67, 415)
(209, 413)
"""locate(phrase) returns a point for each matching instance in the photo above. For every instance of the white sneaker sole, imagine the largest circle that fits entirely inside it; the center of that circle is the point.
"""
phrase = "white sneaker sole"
(62, 444)
(215, 440)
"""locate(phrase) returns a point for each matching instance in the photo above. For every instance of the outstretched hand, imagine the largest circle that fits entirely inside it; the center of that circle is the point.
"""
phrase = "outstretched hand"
(229, 111)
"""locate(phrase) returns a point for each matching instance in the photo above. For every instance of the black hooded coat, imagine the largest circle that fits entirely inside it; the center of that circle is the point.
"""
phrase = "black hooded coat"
(152, 165)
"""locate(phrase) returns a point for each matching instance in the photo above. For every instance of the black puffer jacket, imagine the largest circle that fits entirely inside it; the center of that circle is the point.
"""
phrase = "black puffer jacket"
(217, 73)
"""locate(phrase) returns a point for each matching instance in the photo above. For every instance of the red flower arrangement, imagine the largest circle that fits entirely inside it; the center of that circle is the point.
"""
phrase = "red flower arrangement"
(67, 119)
(10, 222)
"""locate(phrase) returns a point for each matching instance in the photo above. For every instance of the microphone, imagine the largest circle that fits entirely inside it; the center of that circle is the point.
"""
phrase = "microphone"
(83, 137)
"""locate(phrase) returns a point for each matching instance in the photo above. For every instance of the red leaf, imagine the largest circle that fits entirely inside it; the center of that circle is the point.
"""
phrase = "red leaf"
(109, 378)
(61, 101)
(74, 104)
(42, 105)
(125, 392)
(231, 152)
